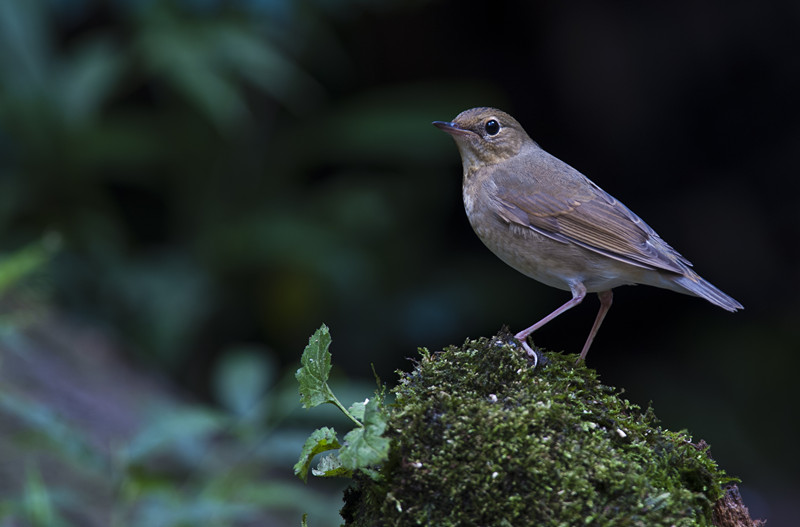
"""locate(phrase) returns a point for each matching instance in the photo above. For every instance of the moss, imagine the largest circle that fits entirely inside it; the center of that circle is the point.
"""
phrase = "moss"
(481, 437)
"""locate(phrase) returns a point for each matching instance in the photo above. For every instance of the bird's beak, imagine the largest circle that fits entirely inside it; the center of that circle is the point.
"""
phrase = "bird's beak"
(451, 128)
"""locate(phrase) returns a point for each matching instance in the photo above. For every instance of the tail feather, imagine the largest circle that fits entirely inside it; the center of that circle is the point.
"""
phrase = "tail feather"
(693, 284)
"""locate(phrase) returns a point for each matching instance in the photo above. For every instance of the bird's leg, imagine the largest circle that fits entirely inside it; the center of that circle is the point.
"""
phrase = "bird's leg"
(578, 294)
(605, 303)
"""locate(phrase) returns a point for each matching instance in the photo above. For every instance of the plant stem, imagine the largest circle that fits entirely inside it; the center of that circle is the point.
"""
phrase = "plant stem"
(341, 407)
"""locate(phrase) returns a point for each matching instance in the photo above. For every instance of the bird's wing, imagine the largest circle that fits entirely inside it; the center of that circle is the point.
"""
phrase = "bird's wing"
(593, 219)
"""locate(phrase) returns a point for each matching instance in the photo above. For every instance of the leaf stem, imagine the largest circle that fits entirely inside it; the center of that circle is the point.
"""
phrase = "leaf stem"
(332, 399)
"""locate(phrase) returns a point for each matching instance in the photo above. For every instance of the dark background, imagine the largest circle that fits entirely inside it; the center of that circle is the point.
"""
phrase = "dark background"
(220, 174)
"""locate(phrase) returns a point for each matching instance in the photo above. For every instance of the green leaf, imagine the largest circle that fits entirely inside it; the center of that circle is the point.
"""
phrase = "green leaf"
(320, 440)
(38, 503)
(365, 446)
(316, 366)
(24, 262)
(357, 409)
(45, 423)
(183, 54)
(331, 466)
(182, 433)
(87, 79)
(262, 63)
(201, 509)
(242, 378)
(375, 418)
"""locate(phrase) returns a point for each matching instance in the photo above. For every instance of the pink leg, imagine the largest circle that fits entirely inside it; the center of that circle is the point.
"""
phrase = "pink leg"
(605, 303)
(578, 294)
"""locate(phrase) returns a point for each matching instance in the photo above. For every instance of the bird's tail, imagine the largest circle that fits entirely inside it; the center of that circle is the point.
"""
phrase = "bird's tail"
(693, 284)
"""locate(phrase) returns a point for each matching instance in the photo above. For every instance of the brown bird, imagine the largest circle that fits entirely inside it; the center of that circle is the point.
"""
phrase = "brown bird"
(551, 223)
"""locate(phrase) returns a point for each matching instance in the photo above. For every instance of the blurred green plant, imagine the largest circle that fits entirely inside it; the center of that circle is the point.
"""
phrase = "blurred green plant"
(187, 465)
(23, 263)
(196, 160)
(23, 290)
(192, 155)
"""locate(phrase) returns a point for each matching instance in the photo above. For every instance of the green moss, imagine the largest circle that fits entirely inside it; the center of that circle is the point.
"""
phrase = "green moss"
(480, 437)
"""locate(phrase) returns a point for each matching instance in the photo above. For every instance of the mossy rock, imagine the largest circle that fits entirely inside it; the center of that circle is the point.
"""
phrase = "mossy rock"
(481, 437)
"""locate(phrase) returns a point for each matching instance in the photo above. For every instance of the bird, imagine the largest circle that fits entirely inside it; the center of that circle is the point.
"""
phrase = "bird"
(553, 224)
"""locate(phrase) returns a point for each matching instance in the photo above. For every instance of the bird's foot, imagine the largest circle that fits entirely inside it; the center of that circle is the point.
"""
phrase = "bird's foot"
(532, 354)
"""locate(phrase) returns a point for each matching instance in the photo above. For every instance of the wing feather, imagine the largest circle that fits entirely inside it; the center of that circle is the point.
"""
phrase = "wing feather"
(593, 220)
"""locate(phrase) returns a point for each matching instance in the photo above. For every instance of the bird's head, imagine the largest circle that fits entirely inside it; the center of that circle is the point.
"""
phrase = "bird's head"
(485, 135)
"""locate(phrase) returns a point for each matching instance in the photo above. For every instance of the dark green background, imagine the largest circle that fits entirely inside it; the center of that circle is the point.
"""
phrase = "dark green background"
(237, 172)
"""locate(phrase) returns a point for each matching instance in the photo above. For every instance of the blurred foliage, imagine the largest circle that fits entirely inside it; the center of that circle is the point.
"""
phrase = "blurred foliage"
(187, 465)
(24, 286)
(189, 154)
(204, 192)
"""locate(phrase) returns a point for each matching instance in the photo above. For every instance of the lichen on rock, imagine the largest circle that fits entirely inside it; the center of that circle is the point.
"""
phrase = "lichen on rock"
(481, 437)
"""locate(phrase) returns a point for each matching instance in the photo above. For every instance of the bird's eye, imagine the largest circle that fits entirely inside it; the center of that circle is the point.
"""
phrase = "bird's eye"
(492, 127)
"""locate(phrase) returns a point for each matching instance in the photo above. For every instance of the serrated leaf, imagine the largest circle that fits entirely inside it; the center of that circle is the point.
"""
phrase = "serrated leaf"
(357, 409)
(320, 440)
(331, 466)
(365, 446)
(374, 415)
(315, 368)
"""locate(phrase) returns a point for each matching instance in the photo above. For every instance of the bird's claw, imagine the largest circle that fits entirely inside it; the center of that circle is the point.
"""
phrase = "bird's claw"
(530, 352)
